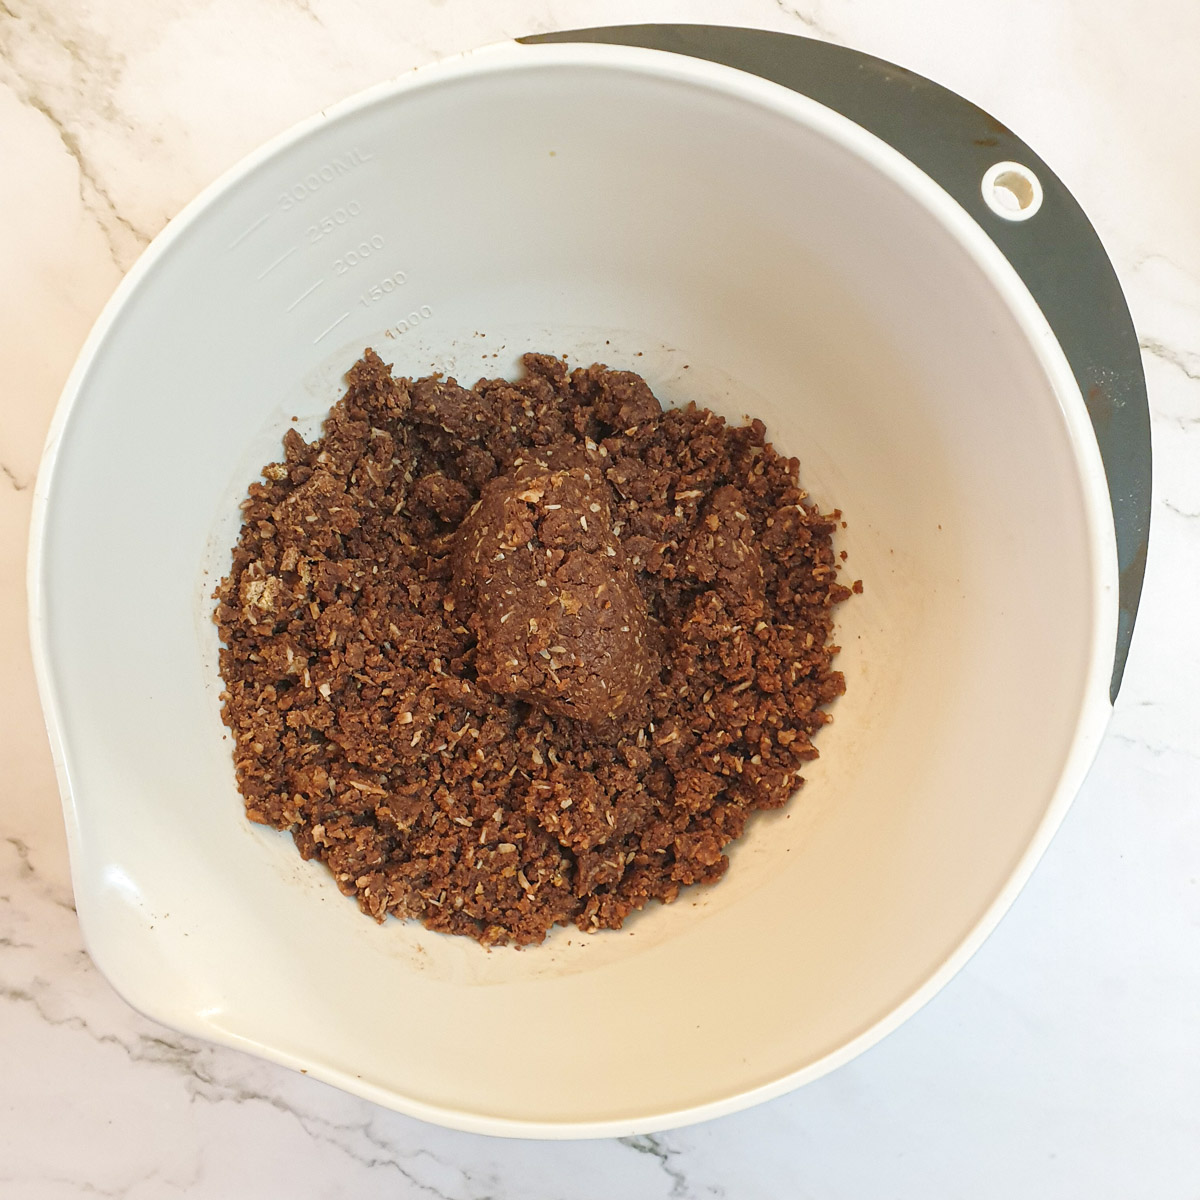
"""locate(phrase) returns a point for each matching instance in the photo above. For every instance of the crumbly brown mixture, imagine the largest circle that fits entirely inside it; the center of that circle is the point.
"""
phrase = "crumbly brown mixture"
(525, 653)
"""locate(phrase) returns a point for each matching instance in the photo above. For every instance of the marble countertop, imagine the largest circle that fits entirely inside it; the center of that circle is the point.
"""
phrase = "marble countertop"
(1063, 1061)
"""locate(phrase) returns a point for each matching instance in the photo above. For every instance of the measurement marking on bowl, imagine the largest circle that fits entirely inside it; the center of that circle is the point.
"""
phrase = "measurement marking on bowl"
(267, 270)
(329, 224)
(421, 313)
(377, 291)
(302, 189)
(331, 328)
(241, 237)
(353, 257)
(306, 292)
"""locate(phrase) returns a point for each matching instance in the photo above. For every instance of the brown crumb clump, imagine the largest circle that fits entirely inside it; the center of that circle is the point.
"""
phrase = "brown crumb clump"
(499, 745)
(551, 598)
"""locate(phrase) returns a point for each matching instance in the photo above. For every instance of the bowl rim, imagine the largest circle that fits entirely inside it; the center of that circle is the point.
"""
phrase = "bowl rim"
(1095, 708)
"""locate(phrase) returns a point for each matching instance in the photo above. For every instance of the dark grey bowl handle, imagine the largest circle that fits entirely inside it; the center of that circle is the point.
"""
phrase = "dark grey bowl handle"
(1057, 252)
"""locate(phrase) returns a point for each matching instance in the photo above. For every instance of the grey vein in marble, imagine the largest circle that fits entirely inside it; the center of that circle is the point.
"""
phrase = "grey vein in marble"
(1154, 749)
(307, 9)
(202, 1084)
(1189, 364)
(19, 484)
(1182, 512)
(31, 978)
(808, 20)
(30, 41)
(655, 1145)
(81, 1186)
(199, 1067)
(92, 193)
(26, 870)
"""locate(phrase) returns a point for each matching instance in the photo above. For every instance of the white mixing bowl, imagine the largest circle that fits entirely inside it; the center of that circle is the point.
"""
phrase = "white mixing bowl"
(740, 246)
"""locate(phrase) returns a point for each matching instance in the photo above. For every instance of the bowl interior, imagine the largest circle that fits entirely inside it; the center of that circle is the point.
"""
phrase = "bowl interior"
(740, 247)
